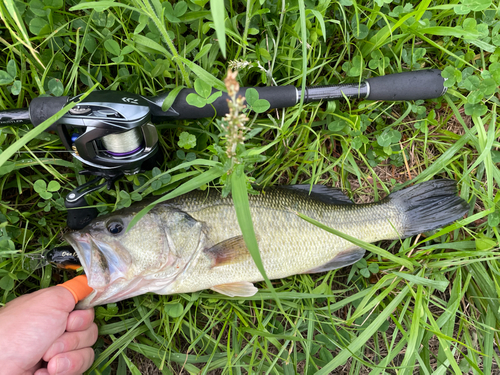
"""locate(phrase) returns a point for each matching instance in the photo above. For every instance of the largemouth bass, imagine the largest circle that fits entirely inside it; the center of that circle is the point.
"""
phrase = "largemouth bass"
(194, 242)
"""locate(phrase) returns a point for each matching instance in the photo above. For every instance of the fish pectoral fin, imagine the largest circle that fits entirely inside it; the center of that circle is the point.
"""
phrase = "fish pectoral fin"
(237, 289)
(229, 251)
(343, 259)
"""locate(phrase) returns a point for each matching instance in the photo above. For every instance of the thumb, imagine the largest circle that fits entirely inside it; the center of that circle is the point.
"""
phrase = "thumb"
(78, 287)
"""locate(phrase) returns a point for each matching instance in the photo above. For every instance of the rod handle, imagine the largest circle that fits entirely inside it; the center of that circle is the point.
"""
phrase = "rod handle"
(421, 84)
(277, 96)
(42, 108)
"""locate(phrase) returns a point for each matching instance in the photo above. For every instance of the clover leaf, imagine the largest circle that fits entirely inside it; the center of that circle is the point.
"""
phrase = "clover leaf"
(471, 5)
(254, 103)
(5, 78)
(56, 87)
(477, 110)
(8, 76)
(378, 60)
(388, 137)
(7, 282)
(12, 68)
(125, 199)
(354, 68)
(187, 140)
(162, 179)
(488, 86)
(45, 191)
(451, 76)
(494, 219)
(337, 126)
(494, 70)
(471, 83)
(364, 269)
(359, 30)
(203, 94)
(107, 313)
(174, 310)
(475, 97)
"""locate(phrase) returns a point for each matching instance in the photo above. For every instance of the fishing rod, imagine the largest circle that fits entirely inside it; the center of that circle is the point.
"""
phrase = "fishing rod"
(113, 133)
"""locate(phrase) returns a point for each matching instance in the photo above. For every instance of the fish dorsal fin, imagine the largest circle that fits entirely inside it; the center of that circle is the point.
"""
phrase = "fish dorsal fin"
(229, 251)
(325, 194)
(237, 289)
(343, 259)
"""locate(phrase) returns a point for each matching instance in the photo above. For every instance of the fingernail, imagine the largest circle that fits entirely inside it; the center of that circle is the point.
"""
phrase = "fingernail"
(62, 365)
(77, 323)
(57, 347)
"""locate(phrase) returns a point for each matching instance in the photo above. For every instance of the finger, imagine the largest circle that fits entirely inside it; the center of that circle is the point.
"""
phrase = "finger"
(42, 371)
(80, 320)
(70, 341)
(71, 363)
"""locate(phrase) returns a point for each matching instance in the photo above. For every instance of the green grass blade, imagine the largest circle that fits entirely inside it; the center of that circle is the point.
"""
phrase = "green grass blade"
(418, 280)
(170, 99)
(415, 333)
(489, 341)
(365, 335)
(203, 74)
(242, 207)
(303, 34)
(16, 146)
(100, 6)
(194, 183)
(218, 13)
(147, 42)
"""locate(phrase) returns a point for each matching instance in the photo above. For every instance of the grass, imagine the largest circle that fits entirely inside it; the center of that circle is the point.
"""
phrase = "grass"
(431, 307)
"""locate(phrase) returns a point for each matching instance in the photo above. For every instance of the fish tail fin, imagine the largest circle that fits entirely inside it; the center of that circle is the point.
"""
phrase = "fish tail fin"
(429, 205)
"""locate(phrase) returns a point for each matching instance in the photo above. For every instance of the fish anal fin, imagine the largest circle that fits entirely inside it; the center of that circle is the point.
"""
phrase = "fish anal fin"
(237, 289)
(229, 251)
(321, 193)
(345, 258)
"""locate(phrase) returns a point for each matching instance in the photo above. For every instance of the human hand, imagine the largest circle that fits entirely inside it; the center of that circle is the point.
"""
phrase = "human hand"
(42, 326)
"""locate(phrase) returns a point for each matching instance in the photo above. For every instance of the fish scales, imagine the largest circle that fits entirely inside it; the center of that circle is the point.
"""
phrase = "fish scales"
(288, 244)
(194, 242)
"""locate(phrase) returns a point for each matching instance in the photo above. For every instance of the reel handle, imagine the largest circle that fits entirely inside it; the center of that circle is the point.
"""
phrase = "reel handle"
(79, 212)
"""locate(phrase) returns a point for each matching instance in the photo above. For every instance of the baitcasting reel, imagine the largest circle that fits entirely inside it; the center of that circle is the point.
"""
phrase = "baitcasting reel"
(112, 133)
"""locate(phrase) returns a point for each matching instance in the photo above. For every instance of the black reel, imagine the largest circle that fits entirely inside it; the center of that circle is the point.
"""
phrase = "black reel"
(111, 133)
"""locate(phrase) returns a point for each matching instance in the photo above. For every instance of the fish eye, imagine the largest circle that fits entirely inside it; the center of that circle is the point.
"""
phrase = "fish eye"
(115, 227)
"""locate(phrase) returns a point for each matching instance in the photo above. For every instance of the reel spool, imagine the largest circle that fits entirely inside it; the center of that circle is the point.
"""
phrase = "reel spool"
(123, 144)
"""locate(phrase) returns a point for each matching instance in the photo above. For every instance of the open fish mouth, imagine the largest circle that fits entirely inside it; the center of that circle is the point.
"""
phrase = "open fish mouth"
(91, 257)
(99, 261)
(87, 252)
(106, 266)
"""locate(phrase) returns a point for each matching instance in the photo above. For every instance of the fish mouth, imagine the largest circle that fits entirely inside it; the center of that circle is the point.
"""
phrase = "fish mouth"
(90, 256)
(100, 263)
(107, 267)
